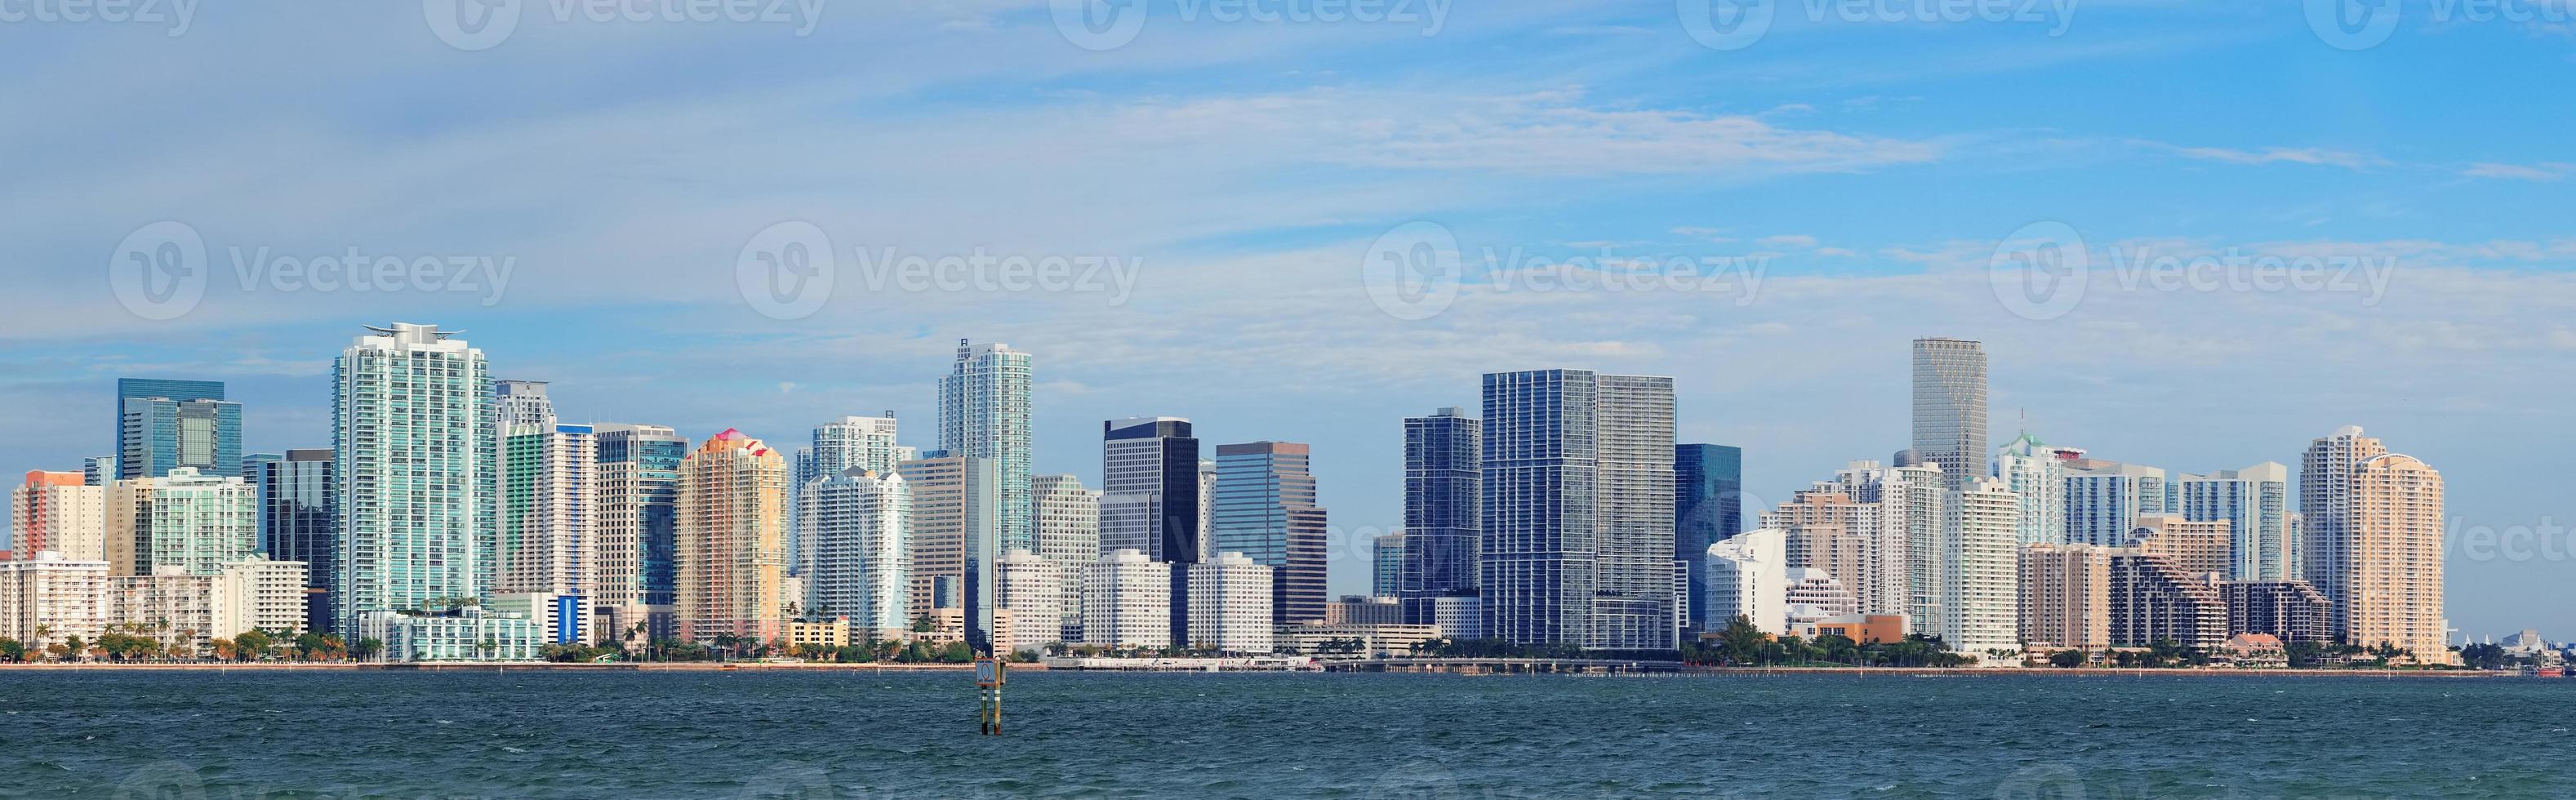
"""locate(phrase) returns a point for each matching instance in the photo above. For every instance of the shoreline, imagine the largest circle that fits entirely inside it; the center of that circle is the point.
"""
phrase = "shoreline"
(1463, 669)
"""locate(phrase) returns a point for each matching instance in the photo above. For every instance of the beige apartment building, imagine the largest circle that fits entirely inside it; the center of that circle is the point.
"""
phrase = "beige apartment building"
(730, 558)
(2066, 596)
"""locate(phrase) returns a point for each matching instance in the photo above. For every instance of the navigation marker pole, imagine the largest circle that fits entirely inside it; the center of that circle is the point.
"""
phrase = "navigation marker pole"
(988, 682)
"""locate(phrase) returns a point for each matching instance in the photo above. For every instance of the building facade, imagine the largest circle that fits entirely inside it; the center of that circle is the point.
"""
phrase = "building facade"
(167, 424)
(193, 522)
(1747, 576)
(1127, 601)
(857, 526)
(2255, 504)
(1708, 507)
(1230, 605)
(1950, 407)
(956, 525)
(1068, 534)
(638, 492)
(984, 413)
(2036, 473)
(1031, 587)
(1266, 510)
(2153, 600)
(731, 555)
(61, 512)
(2291, 611)
(414, 455)
(2104, 500)
(296, 524)
(1981, 586)
(2394, 593)
(1442, 520)
(1577, 487)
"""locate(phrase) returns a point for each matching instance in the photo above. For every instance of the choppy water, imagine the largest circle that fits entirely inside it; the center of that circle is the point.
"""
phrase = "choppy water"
(347, 735)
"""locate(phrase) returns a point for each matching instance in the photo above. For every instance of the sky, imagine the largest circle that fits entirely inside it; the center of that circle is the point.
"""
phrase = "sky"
(2193, 235)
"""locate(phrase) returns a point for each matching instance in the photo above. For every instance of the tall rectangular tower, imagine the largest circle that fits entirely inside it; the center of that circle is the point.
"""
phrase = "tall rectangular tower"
(1442, 474)
(1708, 507)
(984, 413)
(1150, 497)
(1950, 407)
(1266, 510)
(163, 452)
(1578, 509)
(414, 449)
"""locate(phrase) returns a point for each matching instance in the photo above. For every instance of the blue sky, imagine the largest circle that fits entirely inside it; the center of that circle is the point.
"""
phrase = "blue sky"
(1865, 171)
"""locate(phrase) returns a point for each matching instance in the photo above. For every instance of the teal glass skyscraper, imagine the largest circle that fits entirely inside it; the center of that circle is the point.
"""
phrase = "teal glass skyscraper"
(412, 424)
(984, 413)
(1708, 507)
(163, 425)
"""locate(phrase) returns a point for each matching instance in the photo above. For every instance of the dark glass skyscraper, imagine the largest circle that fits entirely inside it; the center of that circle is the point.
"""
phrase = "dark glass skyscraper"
(1708, 507)
(1149, 490)
(162, 425)
(1441, 524)
(295, 514)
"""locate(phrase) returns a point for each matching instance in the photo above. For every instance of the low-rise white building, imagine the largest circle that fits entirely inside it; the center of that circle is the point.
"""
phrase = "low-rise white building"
(1032, 589)
(1747, 576)
(1230, 604)
(465, 634)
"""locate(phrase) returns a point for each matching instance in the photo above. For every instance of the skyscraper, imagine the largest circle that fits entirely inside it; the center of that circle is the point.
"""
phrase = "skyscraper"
(58, 511)
(856, 524)
(162, 434)
(1442, 472)
(1386, 565)
(296, 524)
(956, 524)
(548, 475)
(1068, 532)
(2036, 473)
(2330, 557)
(1708, 507)
(2393, 579)
(174, 391)
(837, 446)
(731, 558)
(2104, 499)
(2255, 502)
(414, 451)
(195, 523)
(1747, 576)
(98, 470)
(1950, 407)
(1577, 486)
(1266, 510)
(1878, 529)
(984, 413)
(1981, 589)
(1149, 488)
(638, 493)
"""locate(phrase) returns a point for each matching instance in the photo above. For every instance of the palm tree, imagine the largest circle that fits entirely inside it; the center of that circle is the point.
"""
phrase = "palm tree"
(44, 636)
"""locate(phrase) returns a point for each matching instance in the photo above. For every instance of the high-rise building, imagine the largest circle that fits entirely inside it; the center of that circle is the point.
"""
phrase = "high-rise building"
(2199, 549)
(2066, 596)
(2153, 600)
(638, 493)
(98, 470)
(2104, 500)
(256, 464)
(1230, 605)
(2255, 502)
(1950, 407)
(1747, 575)
(956, 521)
(1127, 601)
(984, 413)
(2036, 473)
(296, 525)
(1266, 510)
(1981, 589)
(837, 446)
(548, 475)
(61, 512)
(857, 524)
(414, 455)
(1442, 472)
(1386, 564)
(176, 423)
(1883, 531)
(1577, 492)
(1068, 534)
(186, 521)
(731, 558)
(1149, 491)
(2291, 611)
(1708, 507)
(2393, 593)
(1814, 594)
